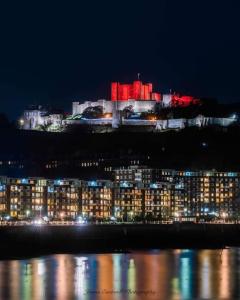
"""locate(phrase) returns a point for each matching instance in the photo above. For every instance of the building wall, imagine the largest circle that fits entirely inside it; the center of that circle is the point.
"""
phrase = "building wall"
(32, 119)
(78, 107)
(164, 195)
(134, 174)
(206, 193)
(137, 106)
(128, 200)
(63, 199)
(158, 202)
(137, 90)
(167, 100)
(96, 199)
(3, 197)
(26, 197)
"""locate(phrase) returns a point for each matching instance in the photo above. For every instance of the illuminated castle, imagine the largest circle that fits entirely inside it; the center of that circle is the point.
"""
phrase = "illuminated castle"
(137, 91)
(128, 102)
(144, 92)
(131, 104)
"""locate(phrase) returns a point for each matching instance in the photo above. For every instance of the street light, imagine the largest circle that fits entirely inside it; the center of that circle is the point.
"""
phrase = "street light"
(21, 122)
(224, 216)
(177, 215)
(80, 220)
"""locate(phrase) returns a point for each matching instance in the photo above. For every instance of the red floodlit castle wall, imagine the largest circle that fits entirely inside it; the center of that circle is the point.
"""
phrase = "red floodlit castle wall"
(114, 91)
(183, 100)
(137, 90)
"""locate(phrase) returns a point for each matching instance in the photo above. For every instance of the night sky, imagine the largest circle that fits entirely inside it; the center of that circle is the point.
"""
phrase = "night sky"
(55, 52)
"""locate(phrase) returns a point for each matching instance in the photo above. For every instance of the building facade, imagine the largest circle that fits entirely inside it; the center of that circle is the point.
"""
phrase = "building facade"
(206, 193)
(96, 199)
(139, 174)
(63, 199)
(3, 196)
(40, 118)
(136, 90)
(128, 200)
(140, 194)
(26, 197)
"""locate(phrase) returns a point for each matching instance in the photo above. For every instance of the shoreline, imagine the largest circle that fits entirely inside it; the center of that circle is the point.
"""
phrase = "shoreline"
(29, 241)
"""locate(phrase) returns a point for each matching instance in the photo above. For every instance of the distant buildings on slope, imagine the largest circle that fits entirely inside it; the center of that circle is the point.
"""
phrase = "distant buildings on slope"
(131, 105)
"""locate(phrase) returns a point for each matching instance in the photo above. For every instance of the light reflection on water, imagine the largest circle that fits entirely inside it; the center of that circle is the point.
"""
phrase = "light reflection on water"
(163, 274)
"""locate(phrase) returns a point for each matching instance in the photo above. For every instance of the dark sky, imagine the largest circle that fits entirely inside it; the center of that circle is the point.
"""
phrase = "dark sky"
(55, 52)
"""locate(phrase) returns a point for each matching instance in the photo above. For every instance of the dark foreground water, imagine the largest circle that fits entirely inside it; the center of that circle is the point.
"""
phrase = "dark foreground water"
(167, 274)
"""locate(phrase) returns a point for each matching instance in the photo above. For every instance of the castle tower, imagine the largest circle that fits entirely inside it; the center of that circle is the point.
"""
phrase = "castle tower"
(116, 115)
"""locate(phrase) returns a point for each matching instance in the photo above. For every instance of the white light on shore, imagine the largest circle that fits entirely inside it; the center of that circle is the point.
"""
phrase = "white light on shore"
(38, 222)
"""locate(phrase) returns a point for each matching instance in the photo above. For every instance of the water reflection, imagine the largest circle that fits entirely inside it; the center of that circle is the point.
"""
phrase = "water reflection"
(170, 274)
